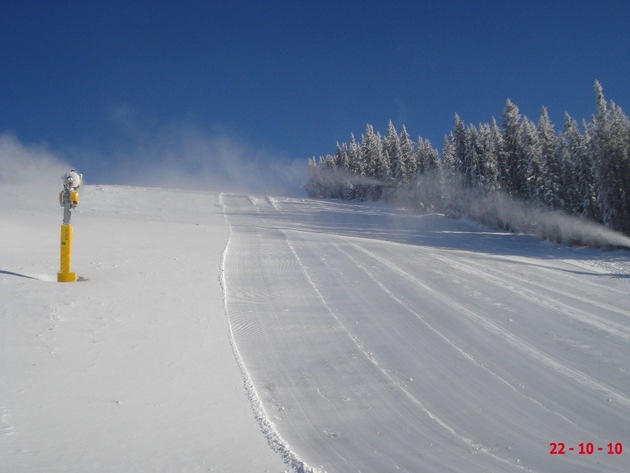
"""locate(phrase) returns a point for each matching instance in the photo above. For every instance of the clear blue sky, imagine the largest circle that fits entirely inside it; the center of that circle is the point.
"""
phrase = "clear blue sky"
(88, 78)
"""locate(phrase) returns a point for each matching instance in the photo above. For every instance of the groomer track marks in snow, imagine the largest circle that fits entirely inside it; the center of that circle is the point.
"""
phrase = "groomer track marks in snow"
(383, 340)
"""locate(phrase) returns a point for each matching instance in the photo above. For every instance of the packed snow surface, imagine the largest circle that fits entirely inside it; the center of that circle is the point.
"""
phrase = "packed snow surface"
(231, 332)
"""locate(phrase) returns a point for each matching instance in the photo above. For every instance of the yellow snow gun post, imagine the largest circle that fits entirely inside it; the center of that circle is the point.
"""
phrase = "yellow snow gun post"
(68, 199)
(65, 275)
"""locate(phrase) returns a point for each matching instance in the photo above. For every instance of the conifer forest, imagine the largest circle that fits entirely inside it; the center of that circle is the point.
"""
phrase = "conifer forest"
(491, 172)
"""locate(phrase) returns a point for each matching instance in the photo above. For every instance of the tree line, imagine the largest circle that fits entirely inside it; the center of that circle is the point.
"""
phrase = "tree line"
(582, 170)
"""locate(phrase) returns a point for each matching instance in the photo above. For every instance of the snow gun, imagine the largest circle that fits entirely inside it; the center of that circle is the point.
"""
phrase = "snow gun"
(68, 199)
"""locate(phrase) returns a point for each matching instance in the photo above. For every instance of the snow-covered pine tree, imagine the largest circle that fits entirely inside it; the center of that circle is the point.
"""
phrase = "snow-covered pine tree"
(620, 149)
(383, 168)
(489, 147)
(342, 160)
(427, 157)
(330, 177)
(428, 183)
(552, 169)
(408, 157)
(366, 138)
(498, 149)
(358, 166)
(460, 147)
(313, 186)
(577, 173)
(394, 155)
(609, 147)
(449, 180)
(474, 158)
(589, 164)
(511, 174)
(376, 164)
(597, 134)
(498, 145)
(531, 156)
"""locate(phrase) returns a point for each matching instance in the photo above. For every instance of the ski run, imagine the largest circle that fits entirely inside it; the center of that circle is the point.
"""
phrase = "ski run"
(239, 333)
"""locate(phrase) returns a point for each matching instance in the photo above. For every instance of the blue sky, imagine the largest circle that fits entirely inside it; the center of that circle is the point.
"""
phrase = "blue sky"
(103, 83)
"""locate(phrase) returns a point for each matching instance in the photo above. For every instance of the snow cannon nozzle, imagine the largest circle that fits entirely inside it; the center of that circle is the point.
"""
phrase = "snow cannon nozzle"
(72, 180)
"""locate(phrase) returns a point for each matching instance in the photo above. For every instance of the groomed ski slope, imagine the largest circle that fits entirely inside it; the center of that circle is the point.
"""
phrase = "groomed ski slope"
(131, 370)
(239, 333)
(377, 340)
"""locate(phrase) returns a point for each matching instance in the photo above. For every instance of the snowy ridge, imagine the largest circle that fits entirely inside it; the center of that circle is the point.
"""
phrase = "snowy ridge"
(277, 443)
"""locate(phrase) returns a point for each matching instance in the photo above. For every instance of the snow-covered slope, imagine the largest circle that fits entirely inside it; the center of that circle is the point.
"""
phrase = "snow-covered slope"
(228, 332)
(381, 340)
(131, 370)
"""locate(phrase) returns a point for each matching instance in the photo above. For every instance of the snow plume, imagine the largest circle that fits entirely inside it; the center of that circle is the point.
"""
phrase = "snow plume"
(499, 209)
(32, 171)
(24, 164)
(183, 156)
(339, 183)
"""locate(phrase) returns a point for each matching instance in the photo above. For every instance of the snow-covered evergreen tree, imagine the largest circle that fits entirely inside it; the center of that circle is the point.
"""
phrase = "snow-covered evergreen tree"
(408, 156)
(532, 160)
(427, 157)
(577, 189)
(429, 180)
(619, 143)
(312, 186)
(609, 146)
(489, 149)
(383, 169)
(342, 160)
(551, 178)
(394, 155)
(377, 163)
(512, 173)
(357, 168)
(461, 155)
(448, 175)
(472, 159)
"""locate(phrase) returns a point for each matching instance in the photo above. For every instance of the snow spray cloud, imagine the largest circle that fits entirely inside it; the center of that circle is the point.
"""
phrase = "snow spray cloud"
(30, 169)
(183, 156)
(499, 209)
(326, 182)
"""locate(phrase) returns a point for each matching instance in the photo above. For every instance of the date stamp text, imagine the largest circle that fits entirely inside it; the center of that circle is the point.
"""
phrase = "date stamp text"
(585, 448)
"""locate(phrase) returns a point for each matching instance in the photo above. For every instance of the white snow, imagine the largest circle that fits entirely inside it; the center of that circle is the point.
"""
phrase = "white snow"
(131, 370)
(230, 332)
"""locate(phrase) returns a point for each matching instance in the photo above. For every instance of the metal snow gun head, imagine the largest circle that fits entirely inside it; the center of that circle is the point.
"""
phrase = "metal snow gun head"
(69, 196)
(72, 180)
